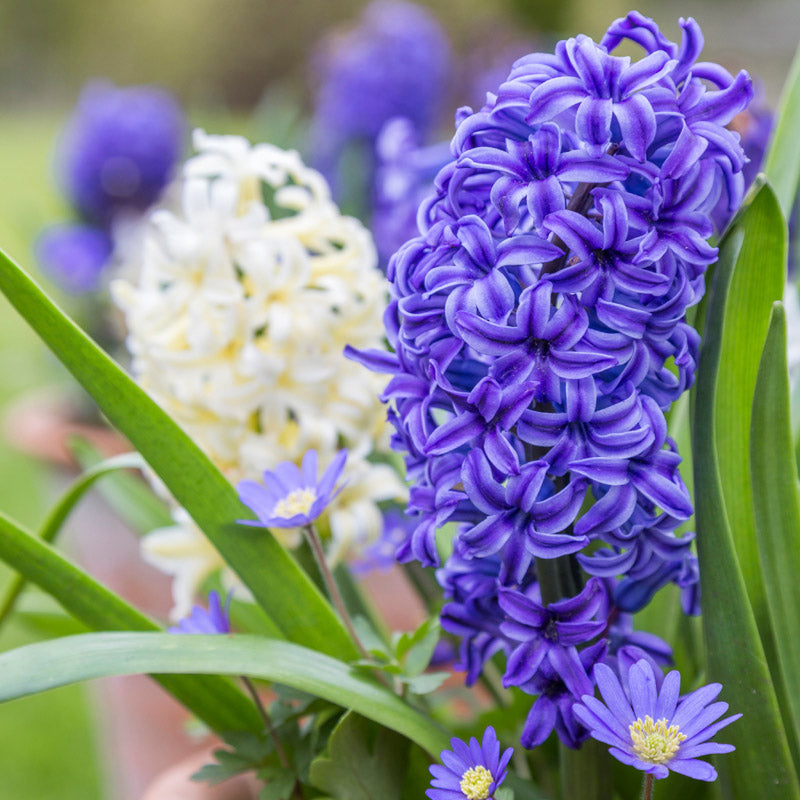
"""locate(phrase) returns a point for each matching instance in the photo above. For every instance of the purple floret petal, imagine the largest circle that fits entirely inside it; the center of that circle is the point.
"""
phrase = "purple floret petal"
(693, 704)
(598, 717)
(642, 689)
(257, 498)
(691, 768)
(332, 474)
(308, 468)
(612, 692)
(701, 732)
(668, 695)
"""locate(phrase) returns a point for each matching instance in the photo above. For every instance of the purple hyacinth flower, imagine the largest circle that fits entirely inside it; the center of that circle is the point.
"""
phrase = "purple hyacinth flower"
(606, 258)
(382, 555)
(120, 149)
(604, 88)
(559, 689)
(651, 728)
(403, 178)
(544, 631)
(74, 256)
(533, 172)
(525, 371)
(291, 496)
(519, 522)
(539, 347)
(470, 771)
(214, 619)
(473, 612)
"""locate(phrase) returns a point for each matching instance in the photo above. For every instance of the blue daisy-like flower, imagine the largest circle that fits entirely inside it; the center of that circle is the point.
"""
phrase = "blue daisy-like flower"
(214, 619)
(470, 771)
(290, 496)
(649, 727)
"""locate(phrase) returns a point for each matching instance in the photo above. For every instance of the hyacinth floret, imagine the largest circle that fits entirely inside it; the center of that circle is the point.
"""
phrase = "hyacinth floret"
(538, 334)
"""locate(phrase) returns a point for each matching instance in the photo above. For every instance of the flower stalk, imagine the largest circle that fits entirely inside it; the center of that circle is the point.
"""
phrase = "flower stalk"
(330, 584)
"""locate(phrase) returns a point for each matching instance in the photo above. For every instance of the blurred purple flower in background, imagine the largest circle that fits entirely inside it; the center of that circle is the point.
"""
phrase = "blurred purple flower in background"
(212, 620)
(74, 255)
(116, 156)
(394, 63)
(403, 178)
(119, 149)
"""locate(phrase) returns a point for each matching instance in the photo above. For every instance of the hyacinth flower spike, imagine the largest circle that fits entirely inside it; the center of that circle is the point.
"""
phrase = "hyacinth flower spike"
(290, 496)
(470, 771)
(653, 729)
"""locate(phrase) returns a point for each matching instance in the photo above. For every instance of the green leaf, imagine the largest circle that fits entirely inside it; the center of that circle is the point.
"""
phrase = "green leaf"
(426, 683)
(214, 700)
(280, 587)
(249, 751)
(777, 507)
(746, 281)
(61, 510)
(45, 665)
(782, 164)
(743, 292)
(364, 762)
(421, 646)
(279, 783)
(128, 495)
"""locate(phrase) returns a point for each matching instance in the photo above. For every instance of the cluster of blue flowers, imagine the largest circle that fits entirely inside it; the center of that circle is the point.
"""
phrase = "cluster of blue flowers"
(394, 63)
(538, 334)
(116, 156)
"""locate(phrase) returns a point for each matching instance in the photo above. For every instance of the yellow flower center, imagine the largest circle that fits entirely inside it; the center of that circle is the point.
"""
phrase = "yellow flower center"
(475, 783)
(654, 742)
(297, 502)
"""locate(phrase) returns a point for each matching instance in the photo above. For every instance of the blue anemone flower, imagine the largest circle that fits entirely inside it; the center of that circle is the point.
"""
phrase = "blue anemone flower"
(651, 728)
(291, 496)
(470, 772)
(214, 619)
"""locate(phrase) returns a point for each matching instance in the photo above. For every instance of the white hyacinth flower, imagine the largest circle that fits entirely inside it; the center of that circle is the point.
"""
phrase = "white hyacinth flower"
(244, 300)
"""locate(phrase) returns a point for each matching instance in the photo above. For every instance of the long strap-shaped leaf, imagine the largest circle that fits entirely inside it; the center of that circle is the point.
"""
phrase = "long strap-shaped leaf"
(734, 649)
(220, 705)
(46, 665)
(61, 510)
(777, 506)
(281, 588)
(745, 292)
(783, 159)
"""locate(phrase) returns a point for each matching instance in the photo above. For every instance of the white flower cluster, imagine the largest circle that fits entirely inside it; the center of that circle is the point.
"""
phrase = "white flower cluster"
(244, 301)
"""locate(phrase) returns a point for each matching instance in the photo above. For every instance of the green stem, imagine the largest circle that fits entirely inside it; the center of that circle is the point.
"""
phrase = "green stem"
(282, 757)
(333, 589)
(490, 679)
(425, 584)
(585, 773)
(558, 578)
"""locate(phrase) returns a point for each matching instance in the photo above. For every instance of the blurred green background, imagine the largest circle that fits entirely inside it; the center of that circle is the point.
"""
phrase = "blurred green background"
(239, 66)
